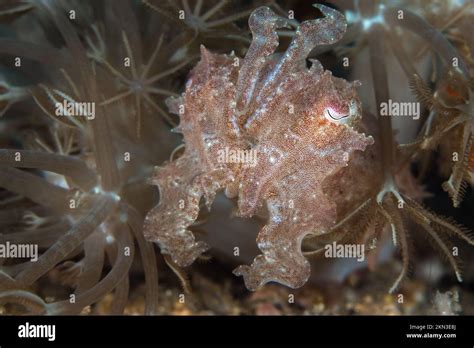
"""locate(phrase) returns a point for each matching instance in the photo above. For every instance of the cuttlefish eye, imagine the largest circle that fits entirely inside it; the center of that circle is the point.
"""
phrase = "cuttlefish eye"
(335, 116)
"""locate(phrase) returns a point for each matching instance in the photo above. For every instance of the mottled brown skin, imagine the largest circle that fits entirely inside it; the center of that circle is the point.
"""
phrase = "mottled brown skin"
(301, 122)
(197, 173)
